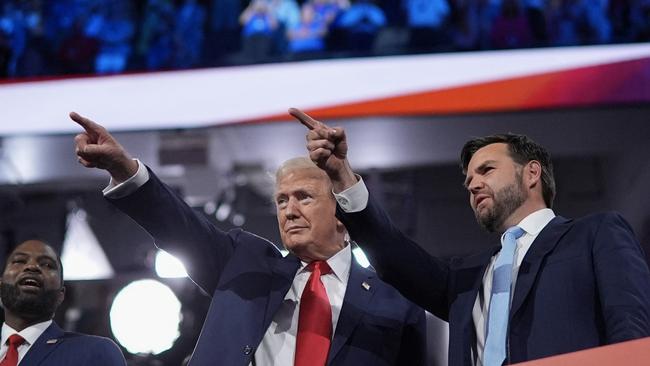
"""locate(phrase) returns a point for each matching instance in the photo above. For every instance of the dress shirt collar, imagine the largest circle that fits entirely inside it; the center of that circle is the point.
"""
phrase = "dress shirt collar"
(339, 263)
(30, 334)
(536, 221)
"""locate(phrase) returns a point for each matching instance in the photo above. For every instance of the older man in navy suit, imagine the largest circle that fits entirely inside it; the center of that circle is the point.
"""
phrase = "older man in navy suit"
(31, 290)
(555, 285)
(316, 306)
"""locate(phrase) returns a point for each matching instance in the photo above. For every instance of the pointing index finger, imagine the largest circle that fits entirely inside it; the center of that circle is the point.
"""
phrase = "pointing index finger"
(305, 119)
(91, 127)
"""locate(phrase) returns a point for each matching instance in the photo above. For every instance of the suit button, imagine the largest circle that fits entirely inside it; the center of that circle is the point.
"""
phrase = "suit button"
(248, 349)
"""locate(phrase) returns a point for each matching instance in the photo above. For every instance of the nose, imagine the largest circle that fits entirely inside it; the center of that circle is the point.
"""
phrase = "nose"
(475, 185)
(291, 211)
(32, 266)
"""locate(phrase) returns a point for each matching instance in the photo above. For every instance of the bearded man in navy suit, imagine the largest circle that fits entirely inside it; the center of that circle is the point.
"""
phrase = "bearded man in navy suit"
(554, 285)
(314, 307)
(32, 289)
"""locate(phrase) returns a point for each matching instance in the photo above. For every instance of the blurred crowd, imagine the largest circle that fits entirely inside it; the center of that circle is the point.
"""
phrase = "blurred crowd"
(62, 37)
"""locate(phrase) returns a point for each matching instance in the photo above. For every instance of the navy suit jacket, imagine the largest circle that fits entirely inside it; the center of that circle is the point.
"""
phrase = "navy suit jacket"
(56, 348)
(248, 279)
(583, 283)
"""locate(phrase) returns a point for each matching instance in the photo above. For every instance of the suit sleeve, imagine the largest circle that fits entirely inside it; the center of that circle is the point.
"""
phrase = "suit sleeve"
(413, 350)
(398, 260)
(107, 353)
(623, 280)
(178, 229)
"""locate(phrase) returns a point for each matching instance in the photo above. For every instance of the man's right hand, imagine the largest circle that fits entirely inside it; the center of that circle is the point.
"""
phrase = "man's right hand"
(328, 148)
(96, 148)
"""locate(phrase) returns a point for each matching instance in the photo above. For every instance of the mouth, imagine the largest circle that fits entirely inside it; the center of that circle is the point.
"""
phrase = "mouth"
(294, 229)
(480, 199)
(30, 283)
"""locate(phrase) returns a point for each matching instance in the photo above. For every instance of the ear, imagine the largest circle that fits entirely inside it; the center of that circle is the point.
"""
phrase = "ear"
(532, 174)
(339, 226)
(61, 296)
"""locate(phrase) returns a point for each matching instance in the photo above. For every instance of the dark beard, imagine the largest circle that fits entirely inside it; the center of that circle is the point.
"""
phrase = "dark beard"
(506, 201)
(29, 306)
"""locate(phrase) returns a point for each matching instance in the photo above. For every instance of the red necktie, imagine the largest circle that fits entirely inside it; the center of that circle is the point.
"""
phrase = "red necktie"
(315, 319)
(11, 358)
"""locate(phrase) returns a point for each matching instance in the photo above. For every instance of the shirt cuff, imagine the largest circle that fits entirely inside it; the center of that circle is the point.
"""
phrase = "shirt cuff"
(130, 185)
(355, 198)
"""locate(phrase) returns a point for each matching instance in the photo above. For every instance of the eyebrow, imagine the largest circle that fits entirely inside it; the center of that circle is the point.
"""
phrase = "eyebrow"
(479, 169)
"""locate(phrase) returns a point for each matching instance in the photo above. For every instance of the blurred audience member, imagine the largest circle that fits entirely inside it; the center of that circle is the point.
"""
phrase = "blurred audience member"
(427, 19)
(223, 30)
(259, 26)
(308, 35)
(113, 27)
(361, 22)
(188, 34)
(465, 25)
(13, 25)
(640, 21)
(567, 21)
(328, 10)
(77, 52)
(600, 27)
(511, 28)
(287, 13)
(535, 12)
(155, 44)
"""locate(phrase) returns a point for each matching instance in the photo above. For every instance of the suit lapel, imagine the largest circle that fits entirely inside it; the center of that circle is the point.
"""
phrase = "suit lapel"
(469, 281)
(44, 345)
(361, 287)
(543, 244)
(283, 273)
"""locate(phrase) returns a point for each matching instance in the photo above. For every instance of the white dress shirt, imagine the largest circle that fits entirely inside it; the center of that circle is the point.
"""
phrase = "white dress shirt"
(30, 334)
(278, 345)
(355, 199)
(279, 342)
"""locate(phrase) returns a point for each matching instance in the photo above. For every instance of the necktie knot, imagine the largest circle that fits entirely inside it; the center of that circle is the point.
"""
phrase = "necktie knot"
(515, 231)
(319, 268)
(509, 242)
(11, 357)
(15, 340)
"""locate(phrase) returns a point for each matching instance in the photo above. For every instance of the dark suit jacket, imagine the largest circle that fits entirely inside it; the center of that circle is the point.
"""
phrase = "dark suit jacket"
(248, 279)
(56, 348)
(583, 283)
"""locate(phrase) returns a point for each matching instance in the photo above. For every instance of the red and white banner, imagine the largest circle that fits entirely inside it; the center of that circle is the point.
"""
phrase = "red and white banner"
(398, 85)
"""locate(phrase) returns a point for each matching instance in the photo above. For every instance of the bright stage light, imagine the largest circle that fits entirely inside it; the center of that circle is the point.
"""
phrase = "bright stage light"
(168, 266)
(361, 258)
(145, 317)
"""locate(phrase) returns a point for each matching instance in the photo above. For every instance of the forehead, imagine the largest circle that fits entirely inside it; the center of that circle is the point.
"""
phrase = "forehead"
(492, 152)
(34, 248)
(300, 179)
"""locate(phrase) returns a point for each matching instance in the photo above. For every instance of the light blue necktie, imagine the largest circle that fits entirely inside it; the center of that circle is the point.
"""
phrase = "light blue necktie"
(497, 329)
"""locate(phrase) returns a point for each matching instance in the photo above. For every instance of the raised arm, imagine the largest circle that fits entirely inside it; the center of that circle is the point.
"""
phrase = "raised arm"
(398, 260)
(174, 226)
